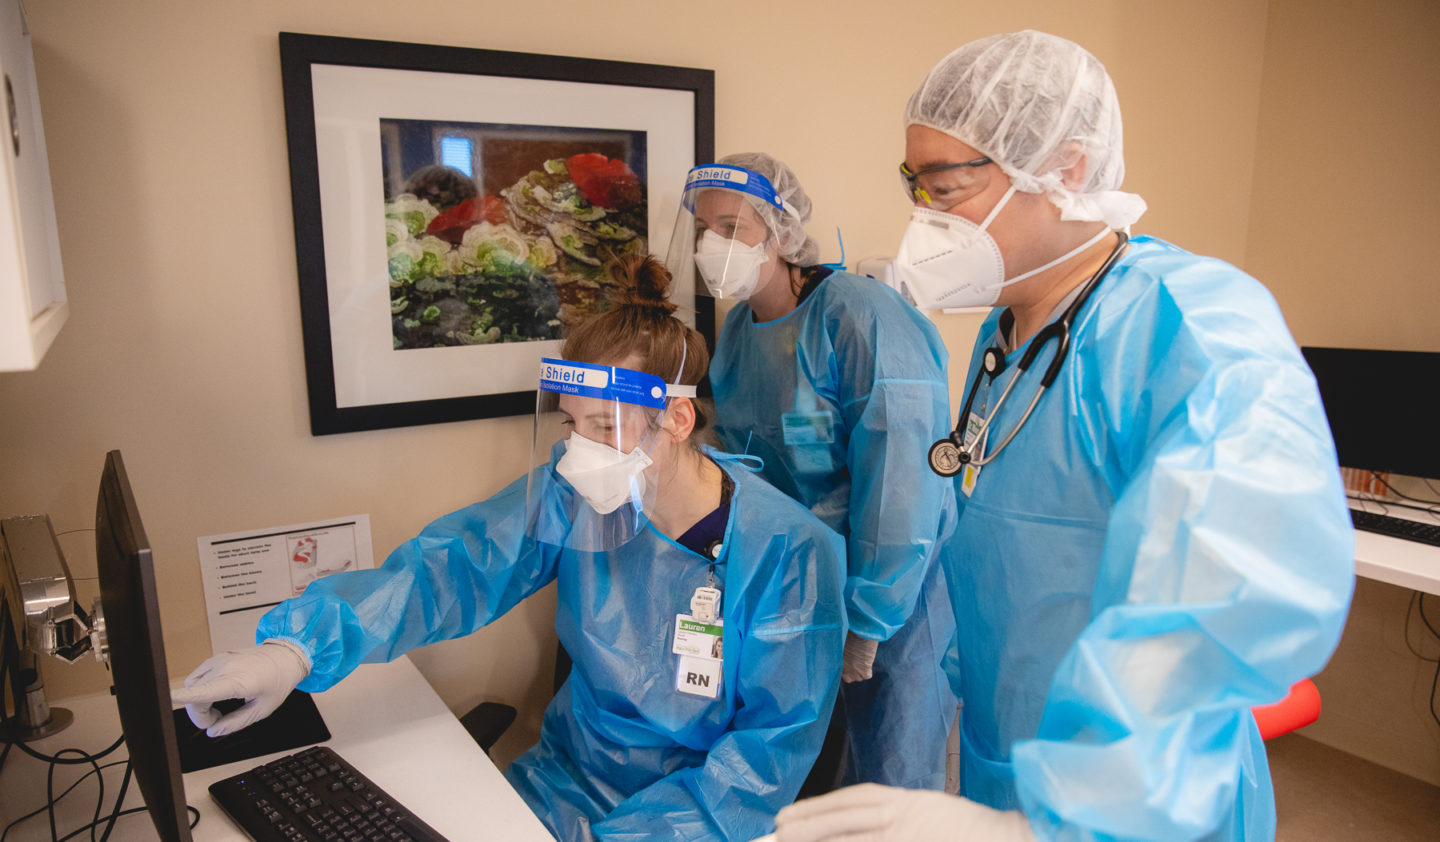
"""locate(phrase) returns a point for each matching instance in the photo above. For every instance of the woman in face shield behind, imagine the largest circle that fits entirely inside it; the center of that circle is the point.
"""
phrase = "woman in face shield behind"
(837, 383)
(702, 636)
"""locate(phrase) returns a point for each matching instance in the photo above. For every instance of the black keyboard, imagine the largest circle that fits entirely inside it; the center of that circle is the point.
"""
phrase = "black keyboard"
(1410, 530)
(315, 795)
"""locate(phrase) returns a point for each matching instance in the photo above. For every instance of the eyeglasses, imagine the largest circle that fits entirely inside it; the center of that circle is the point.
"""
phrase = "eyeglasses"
(944, 185)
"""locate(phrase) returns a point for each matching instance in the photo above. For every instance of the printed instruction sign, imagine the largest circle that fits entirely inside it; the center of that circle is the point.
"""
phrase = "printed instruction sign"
(247, 573)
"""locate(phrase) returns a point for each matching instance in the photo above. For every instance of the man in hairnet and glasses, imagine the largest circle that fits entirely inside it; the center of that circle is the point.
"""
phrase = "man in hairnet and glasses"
(1152, 535)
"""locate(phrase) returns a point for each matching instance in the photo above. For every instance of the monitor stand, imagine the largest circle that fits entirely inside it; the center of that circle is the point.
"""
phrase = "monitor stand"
(34, 719)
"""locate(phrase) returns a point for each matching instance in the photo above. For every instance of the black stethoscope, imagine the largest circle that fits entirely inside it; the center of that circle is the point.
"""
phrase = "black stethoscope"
(950, 455)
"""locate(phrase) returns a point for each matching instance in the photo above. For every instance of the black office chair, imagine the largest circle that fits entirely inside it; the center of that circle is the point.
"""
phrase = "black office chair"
(487, 721)
(825, 774)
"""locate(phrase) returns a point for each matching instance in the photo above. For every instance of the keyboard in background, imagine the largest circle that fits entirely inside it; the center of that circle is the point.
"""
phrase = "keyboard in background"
(1410, 530)
(314, 795)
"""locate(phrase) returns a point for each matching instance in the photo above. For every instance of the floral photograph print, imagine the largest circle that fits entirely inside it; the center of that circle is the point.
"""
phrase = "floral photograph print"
(455, 209)
(501, 233)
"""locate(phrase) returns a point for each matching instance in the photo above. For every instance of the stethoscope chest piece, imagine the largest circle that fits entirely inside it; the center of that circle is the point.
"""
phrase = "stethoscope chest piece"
(946, 457)
(993, 362)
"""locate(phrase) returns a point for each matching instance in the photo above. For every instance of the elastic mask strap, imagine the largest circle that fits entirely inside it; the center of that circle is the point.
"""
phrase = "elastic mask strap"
(672, 390)
(749, 461)
(1104, 232)
(838, 267)
(1004, 200)
(675, 389)
(752, 463)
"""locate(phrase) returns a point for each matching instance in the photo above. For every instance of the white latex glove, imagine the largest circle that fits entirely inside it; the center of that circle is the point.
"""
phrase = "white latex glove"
(262, 676)
(859, 658)
(874, 813)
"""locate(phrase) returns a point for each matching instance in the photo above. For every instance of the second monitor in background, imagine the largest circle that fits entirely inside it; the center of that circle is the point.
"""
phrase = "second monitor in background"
(1381, 406)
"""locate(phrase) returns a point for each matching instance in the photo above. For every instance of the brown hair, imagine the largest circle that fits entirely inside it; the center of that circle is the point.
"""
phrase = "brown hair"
(641, 322)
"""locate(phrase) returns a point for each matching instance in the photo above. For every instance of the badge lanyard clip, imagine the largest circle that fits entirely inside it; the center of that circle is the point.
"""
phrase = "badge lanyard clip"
(705, 604)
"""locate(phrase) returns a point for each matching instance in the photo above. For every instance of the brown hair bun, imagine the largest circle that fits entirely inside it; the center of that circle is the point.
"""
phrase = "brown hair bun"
(640, 323)
(644, 282)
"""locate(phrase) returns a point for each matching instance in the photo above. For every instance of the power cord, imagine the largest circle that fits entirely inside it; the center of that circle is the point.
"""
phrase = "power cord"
(6, 669)
(72, 532)
(78, 781)
(129, 812)
(1409, 614)
(1435, 681)
(1433, 510)
(114, 814)
(59, 758)
(96, 820)
(1431, 506)
(51, 800)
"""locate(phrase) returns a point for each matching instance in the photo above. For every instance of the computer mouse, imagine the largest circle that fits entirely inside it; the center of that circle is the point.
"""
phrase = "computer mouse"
(225, 706)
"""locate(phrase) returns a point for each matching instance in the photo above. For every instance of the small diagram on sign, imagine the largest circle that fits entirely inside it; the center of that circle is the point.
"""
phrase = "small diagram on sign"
(306, 563)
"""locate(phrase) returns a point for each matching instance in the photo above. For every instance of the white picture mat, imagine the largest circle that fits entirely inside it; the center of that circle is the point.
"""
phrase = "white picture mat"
(349, 104)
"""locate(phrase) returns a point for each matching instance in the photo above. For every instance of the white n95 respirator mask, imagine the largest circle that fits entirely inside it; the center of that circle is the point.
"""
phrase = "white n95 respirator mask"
(949, 261)
(730, 268)
(604, 476)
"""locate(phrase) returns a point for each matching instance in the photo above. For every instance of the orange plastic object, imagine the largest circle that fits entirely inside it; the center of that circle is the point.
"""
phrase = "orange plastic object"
(1298, 709)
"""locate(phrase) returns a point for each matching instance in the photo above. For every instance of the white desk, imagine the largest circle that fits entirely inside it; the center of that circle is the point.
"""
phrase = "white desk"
(384, 719)
(1394, 560)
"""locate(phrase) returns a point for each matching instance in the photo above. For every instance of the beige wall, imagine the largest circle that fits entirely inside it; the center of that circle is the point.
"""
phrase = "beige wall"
(167, 145)
(1345, 211)
(1342, 229)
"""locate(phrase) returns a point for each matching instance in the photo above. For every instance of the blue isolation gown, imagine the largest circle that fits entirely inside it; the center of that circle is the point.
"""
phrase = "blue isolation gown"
(842, 397)
(622, 754)
(1162, 546)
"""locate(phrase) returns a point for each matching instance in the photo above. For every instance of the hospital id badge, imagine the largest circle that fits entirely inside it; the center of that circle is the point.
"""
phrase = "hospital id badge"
(970, 474)
(700, 646)
(697, 638)
(698, 677)
(809, 437)
(802, 428)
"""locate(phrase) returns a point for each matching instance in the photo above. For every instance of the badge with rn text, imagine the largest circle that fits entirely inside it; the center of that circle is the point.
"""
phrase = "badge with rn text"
(700, 647)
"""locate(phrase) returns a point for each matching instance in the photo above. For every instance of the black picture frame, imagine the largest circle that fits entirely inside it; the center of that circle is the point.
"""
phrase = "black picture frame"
(300, 57)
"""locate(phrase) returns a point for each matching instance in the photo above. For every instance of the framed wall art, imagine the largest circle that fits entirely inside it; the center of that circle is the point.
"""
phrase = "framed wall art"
(455, 207)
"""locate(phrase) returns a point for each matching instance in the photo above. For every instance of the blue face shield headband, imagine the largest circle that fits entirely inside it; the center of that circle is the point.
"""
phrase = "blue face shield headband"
(738, 179)
(610, 383)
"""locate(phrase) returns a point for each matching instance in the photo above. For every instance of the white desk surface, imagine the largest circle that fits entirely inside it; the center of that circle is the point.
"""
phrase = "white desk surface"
(1408, 564)
(384, 719)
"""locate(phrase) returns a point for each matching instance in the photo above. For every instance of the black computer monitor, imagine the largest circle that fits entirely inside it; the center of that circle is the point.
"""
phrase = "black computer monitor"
(137, 651)
(1382, 407)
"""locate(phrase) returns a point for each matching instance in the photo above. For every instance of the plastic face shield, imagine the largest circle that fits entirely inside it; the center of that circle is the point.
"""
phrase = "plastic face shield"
(720, 232)
(595, 429)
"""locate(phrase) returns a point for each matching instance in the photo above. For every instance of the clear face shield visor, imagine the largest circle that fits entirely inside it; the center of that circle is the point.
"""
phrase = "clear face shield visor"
(721, 233)
(592, 476)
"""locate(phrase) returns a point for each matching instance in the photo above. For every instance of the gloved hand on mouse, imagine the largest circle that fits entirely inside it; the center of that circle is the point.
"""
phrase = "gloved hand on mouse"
(263, 676)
